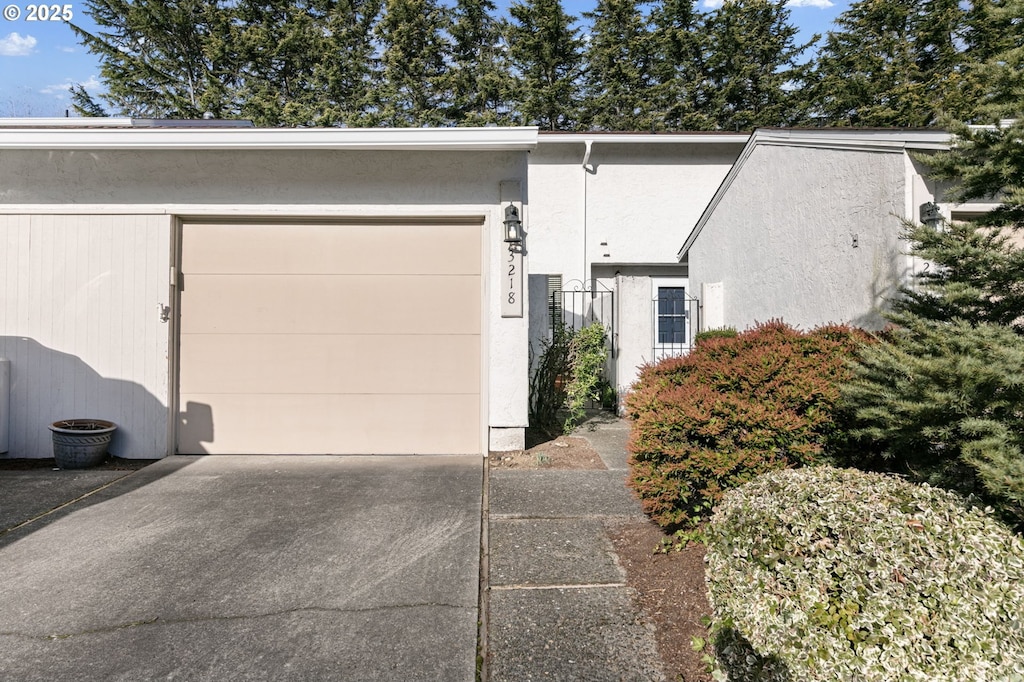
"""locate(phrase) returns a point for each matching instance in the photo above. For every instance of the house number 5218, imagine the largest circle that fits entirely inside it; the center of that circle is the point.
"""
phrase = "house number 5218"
(512, 287)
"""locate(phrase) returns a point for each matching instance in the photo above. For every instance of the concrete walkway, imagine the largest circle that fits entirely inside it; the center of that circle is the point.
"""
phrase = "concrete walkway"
(249, 568)
(320, 568)
(558, 606)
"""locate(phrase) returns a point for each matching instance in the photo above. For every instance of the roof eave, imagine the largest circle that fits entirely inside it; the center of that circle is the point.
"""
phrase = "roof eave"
(351, 139)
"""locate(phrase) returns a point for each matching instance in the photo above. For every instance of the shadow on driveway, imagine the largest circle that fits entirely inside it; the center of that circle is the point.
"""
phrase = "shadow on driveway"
(252, 567)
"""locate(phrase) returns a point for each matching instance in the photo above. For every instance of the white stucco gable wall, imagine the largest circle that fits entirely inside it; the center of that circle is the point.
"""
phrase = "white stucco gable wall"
(806, 234)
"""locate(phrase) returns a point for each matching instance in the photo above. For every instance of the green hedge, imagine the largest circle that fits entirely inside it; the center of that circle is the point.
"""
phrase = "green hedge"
(733, 408)
(944, 403)
(830, 574)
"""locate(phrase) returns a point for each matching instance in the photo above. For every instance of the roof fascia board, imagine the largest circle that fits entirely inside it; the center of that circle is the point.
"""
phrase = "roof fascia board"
(355, 139)
(66, 122)
(885, 141)
(633, 138)
(854, 139)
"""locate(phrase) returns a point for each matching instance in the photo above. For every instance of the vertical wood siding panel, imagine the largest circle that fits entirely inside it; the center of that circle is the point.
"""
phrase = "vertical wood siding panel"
(78, 320)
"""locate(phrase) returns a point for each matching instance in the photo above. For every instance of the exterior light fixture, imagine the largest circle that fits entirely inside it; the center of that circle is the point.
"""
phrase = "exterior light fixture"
(930, 215)
(513, 225)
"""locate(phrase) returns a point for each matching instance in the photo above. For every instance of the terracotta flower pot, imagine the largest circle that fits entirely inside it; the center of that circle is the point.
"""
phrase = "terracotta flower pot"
(81, 443)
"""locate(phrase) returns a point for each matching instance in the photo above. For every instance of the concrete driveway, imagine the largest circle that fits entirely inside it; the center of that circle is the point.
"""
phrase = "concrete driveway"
(252, 568)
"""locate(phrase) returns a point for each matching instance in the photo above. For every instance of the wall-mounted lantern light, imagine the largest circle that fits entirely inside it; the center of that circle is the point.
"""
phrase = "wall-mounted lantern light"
(513, 225)
(930, 214)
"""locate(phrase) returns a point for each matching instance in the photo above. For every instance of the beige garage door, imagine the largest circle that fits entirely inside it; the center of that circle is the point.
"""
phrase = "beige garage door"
(330, 339)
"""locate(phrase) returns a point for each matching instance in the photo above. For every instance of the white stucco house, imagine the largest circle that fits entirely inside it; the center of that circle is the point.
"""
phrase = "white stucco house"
(806, 226)
(216, 288)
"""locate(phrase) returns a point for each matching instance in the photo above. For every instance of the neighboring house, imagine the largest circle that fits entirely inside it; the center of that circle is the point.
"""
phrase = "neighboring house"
(807, 225)
(216, 288)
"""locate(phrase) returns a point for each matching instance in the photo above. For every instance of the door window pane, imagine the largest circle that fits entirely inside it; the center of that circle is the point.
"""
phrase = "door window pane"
(671, 315)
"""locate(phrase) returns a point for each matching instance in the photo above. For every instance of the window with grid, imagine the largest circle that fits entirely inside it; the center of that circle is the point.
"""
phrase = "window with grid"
(671, 314)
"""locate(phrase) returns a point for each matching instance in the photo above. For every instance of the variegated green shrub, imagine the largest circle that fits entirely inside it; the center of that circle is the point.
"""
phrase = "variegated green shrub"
(834, 574)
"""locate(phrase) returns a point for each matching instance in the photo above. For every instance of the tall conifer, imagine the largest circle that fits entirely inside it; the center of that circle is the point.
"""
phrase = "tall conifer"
(161, 59)
(753, 65)
(413, 44)
(546, 55)
(679, 98)
(479, 80)
(617, 84)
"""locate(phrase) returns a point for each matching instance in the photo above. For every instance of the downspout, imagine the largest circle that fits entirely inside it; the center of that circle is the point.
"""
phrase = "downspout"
(588, 147)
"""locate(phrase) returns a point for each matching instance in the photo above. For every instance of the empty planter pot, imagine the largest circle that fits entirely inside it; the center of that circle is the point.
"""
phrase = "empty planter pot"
(81, 443)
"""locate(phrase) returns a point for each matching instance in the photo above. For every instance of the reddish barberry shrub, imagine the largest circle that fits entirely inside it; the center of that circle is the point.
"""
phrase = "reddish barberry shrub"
(734, 408)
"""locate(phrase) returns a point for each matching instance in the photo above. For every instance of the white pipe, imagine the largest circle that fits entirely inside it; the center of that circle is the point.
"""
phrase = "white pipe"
(5, 404)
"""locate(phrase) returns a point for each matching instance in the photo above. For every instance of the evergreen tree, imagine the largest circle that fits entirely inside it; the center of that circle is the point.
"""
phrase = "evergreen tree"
(617, 84)
(753, 65)
(546, 55)
(162, 59)
(409, 90)
(346, 70)
(892, 63)
(678, 67)
(975, 274)
(304, 63)
(478, 77)
(279, 47)
(987, 161)
(944, 399)
(944, 395)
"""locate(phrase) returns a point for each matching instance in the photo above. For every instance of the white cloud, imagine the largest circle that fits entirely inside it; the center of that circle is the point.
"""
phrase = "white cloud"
(68, 49)
(712, 4)
(14, 45)
(820, 4)
(60, 90)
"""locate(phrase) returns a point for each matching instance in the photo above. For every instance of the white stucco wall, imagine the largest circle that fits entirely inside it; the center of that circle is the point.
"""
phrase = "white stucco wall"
(634, 203)
(636, 329)
(782, 240)
(148, 189)
(627, 213)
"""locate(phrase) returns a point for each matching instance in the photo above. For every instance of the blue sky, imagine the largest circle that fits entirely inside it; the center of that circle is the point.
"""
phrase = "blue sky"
(40, 59)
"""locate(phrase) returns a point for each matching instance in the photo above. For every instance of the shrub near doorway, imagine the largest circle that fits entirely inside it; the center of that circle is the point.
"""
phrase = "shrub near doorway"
(734, 408)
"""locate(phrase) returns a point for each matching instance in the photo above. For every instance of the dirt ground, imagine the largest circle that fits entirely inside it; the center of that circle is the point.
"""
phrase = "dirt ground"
(670, 587)
(564, 452)
(671, 592)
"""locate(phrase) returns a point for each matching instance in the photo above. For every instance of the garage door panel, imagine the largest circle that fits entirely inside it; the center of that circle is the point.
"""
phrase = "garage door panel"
(319, 364)
(331, 304)
(339, 424)
(301, 338)
(348, 249)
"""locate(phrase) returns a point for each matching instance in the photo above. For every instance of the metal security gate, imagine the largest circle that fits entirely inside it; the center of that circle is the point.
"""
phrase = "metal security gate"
(579, 304)
(675, 319)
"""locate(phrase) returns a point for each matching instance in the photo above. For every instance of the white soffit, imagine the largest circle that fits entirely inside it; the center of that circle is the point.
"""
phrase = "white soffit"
(118, 136)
